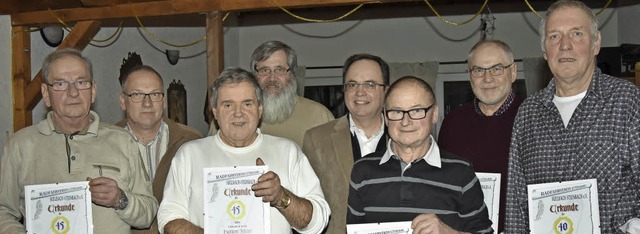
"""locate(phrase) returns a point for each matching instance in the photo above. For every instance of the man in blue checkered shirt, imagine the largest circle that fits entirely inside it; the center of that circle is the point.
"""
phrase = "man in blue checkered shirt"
(583, 125)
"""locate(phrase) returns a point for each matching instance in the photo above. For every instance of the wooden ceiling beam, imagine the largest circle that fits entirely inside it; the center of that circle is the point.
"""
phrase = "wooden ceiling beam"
(168, 7)
(157, 8)
(101, 3)
(249, 5)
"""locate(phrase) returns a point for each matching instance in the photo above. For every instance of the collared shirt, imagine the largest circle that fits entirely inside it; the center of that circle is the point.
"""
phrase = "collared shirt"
(152, 153)
(84, 129)
(432, 157)
(367, 145)
(382, 189)
(601, 141)
(504, 107)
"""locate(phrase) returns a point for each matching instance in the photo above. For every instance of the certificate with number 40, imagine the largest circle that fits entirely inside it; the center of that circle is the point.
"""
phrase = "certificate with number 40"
(230, 206)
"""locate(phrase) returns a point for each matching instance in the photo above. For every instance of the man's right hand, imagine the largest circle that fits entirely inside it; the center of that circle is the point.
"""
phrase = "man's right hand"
(268, 186)
(182, 226)
(430, 223)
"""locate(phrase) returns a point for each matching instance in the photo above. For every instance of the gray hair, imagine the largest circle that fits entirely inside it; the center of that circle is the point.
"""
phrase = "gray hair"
(265, 50)
(234, 75)
(568, 3)
(53, 56)
(500, 44)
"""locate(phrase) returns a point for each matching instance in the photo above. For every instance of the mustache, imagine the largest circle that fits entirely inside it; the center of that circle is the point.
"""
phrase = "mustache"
(272, 83)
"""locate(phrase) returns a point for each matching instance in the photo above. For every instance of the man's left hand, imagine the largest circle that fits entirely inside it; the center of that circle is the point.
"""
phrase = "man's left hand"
(268, 186)
(105, 192)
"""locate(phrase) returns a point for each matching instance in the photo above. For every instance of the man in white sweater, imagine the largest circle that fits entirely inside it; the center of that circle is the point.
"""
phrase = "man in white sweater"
(291, 187)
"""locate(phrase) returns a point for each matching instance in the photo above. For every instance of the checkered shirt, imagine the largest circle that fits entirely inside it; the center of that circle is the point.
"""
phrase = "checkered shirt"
(601, 141)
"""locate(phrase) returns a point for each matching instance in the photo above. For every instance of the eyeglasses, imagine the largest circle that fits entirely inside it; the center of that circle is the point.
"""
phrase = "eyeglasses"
(494, 71)
(139, 97)
(64, 85)
(414, 114)
(369, 85)
(279, 71)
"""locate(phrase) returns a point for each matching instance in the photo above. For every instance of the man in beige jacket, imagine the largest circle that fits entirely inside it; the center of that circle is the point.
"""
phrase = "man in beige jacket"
(333, 147)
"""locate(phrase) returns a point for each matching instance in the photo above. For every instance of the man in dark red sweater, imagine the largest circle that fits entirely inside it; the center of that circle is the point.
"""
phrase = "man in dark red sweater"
(480, 131)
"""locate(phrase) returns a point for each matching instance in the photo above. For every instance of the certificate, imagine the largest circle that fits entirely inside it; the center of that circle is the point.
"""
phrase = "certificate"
(490, 183)
(230, 206)
(564, 207)
(380, 228)
(62, 208)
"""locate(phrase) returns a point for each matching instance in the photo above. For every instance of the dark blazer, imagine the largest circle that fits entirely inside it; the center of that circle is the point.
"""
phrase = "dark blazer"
(328, 148)
(178, 135)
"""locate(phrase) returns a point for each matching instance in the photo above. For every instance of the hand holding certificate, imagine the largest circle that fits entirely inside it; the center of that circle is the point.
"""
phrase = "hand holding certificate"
(269, 188)
(105, 192)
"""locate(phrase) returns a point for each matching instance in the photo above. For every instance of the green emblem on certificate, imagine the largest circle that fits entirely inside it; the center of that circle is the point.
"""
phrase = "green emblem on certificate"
(60, 225)
(236, 209)
(563, 225)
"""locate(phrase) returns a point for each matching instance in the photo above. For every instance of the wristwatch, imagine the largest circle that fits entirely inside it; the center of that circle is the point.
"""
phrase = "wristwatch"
(124, 201)
(285, 201)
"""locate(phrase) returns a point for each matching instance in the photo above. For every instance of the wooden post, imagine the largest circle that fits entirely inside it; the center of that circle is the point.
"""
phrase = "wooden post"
(21, 75)
(215, 54)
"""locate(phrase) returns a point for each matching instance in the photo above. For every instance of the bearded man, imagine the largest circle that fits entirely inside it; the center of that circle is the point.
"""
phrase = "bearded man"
(285, 113)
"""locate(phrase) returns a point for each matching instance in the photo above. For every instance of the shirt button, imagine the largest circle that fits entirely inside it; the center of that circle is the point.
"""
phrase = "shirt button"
(73, 158)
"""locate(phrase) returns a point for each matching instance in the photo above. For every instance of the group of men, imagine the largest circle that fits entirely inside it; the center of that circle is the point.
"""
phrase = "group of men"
(377, 163)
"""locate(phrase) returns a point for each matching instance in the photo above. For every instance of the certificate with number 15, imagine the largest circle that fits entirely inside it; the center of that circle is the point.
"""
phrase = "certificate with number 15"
(230, 206)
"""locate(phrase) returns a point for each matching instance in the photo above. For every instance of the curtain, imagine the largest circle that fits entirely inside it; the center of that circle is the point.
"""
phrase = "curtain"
(536, 74)
(428, 71)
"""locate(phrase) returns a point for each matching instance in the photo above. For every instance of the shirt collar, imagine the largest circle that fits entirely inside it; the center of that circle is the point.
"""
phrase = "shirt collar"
(503, 108)
(159, 135)
(595, 88)
(47, 126)
(432, 157)
(354, 129)
(239, 150)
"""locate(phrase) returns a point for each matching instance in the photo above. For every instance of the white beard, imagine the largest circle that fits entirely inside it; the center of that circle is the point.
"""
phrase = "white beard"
(278, 106)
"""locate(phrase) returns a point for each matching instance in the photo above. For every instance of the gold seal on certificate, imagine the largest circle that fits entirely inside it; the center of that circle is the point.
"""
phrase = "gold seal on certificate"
(230, 206)
(564, 207)
(62, 208)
